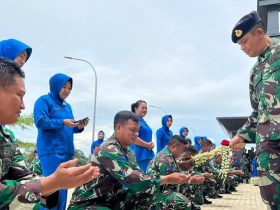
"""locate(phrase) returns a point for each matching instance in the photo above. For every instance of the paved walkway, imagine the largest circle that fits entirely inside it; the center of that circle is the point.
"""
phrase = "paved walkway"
(247, 197)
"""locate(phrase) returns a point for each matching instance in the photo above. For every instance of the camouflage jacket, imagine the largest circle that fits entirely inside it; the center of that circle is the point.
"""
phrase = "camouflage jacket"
(18, 187)
(245, 164)
(35, 167)
(118, 175)
(264, 122)
(163, 164)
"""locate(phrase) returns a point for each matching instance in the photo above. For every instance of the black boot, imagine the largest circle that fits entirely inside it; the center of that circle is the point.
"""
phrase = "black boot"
(227, 191)
(213, 196)
(207, 201)
(195, 207)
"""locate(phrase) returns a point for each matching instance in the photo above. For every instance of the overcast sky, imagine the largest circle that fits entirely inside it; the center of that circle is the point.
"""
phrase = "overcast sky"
(176, 55)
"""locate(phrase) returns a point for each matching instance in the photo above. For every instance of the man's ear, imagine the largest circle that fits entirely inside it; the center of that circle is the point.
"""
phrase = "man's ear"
(117, 128)
(259, 32)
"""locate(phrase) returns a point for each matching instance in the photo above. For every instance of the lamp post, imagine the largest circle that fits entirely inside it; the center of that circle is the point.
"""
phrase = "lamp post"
(95, 92)
(158, 107)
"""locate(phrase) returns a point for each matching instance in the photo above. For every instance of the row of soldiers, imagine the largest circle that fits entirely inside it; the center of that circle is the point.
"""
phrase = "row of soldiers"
(173, 179)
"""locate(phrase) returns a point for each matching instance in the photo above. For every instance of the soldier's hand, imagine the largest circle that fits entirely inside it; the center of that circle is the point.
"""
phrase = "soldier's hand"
(238, 172)
(237, 143)
(196, 179)
(67, 175)
(207, 175)
(176, 178)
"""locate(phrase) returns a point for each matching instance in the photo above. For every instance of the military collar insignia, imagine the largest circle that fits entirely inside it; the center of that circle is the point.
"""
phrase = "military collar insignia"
(238, 33)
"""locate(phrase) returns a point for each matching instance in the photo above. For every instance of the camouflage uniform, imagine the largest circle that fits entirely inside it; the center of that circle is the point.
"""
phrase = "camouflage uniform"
(263, 125)
(35, 167)
(18, 188)
(220, 182)
(164, 164)
(245, 164)
(122, 185)
(210, 183)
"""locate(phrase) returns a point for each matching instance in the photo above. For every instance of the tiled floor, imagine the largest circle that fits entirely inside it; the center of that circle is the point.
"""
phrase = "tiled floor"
(247, 197)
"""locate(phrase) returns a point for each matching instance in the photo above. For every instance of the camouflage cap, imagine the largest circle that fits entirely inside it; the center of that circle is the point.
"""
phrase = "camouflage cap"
(245, 25)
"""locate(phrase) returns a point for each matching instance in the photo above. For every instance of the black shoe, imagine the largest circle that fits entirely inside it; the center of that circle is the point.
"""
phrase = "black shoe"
(222, 191)
(219, 196)
(227, 192)
(207, 201)
(213, 196)
(195, 207)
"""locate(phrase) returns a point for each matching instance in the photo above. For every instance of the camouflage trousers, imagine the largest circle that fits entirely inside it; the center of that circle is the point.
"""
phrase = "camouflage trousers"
(268, 156)
(210, 184)
(198, 194)
(163, 201)
(187, 190)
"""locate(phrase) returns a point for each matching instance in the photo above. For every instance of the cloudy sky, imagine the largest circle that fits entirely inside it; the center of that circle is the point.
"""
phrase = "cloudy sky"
(176, 55)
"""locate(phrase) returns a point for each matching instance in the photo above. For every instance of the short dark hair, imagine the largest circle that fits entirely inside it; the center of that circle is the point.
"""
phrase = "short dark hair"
(136, 105)
(8, 71)
(206, 142)
(176, 139)
(123, 117)
(191, 149)
(188, 141)
(259, 25)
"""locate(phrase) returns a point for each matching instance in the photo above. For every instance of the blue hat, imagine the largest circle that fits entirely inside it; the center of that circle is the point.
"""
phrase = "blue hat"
(245, 25)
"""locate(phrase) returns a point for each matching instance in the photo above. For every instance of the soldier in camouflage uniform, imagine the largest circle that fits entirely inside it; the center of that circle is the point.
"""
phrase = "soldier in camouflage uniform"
(165, 163)
(209, 185)
(191, 190)
(35, 166)
(263, 125)
(19, 189)
(122, 185)
(245, 165)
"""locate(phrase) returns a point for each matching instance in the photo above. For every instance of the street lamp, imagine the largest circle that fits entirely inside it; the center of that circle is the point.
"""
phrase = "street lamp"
(158, 107)
(95, 92)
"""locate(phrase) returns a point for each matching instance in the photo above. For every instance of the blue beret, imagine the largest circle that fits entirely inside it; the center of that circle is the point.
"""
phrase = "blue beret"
(245, 25)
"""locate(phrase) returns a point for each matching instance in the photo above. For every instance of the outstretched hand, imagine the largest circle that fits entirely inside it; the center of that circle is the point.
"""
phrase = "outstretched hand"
(196, 179)
(178, 178)
(68, 175)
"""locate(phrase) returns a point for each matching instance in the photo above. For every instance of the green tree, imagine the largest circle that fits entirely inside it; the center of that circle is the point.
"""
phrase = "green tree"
(25, 121)
(82, 159)
(27, 150)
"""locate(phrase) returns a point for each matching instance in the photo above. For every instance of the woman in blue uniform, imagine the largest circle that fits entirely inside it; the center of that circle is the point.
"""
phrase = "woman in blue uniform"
(15, 50)
(143, 148)
(56, 125)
